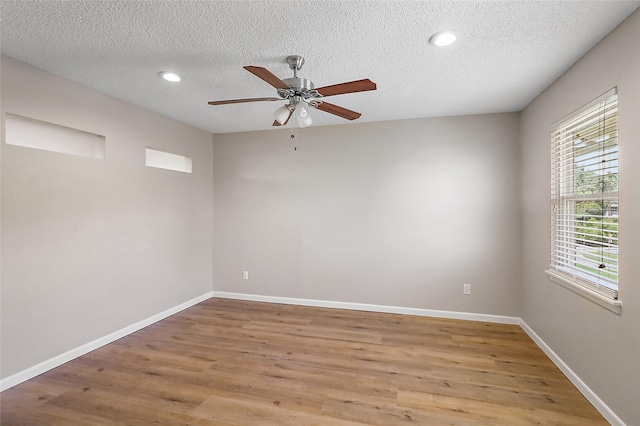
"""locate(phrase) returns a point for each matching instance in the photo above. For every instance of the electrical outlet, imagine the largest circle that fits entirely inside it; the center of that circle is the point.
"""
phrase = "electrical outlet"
(245, 275)
(466, 289)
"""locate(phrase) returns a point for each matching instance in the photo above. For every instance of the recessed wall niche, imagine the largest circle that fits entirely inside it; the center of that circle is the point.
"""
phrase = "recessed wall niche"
(167, 160)
(32, 133)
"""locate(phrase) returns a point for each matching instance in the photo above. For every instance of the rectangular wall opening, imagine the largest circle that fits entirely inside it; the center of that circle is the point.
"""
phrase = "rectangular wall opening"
(167, 160)
(32, 133)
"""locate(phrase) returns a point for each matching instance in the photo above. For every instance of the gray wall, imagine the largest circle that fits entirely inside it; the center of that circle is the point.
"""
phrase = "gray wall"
(396, 213)
(600, 346)
(91, 246)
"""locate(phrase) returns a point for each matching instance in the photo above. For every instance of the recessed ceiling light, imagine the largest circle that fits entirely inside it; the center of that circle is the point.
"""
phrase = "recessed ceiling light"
(444, 38)
(170, 76)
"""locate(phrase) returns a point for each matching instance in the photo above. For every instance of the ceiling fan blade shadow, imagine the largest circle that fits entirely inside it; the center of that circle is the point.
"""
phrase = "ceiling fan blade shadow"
(267, 76)
(338, 110)
(349, 87)
(276, 123)
(239, 101)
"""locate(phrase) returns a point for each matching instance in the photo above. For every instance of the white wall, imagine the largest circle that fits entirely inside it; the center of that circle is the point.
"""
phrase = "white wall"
(91, 246)
(396, 213)
(601, 347)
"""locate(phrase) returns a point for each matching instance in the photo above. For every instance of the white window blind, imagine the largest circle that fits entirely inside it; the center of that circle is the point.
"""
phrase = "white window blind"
(584, 196)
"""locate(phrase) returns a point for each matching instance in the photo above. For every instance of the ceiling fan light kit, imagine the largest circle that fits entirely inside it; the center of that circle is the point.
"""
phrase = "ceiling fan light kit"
(282, 114)
(299, 91)
(302, 117)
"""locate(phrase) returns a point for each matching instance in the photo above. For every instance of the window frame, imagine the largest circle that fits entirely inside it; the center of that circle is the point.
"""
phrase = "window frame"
(564, 267)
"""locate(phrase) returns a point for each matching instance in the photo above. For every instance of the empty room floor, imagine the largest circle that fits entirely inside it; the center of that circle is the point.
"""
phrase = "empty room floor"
(230, 362)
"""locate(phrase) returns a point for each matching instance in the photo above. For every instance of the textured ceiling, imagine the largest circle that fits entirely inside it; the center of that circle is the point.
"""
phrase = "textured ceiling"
(506, 53)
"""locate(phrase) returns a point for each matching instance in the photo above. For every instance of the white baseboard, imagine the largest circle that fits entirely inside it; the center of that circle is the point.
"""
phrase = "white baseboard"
(38, 369)
(54, 362)
(599, 405)
(603, 408)
(372, 308)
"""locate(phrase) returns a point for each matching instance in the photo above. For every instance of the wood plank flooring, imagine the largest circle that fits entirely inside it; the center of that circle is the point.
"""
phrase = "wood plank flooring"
(228, 362)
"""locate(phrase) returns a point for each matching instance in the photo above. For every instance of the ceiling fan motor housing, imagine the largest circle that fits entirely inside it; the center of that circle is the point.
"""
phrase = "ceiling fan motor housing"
(299, 84)
(300, 87)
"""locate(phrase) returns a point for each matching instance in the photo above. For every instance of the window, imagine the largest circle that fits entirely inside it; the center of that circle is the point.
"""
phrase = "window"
(584, 198)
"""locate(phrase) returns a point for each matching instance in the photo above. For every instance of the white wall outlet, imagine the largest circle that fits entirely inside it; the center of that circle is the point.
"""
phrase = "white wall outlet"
(466, 288)
(245, 275)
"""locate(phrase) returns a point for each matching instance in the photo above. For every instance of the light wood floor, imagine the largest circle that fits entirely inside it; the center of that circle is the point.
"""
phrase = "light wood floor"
(226, 362)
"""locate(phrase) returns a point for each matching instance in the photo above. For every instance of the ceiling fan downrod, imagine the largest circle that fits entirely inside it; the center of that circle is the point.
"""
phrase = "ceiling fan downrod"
(295, 63)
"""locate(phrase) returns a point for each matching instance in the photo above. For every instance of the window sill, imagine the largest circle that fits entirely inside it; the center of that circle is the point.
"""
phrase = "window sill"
(610, 304)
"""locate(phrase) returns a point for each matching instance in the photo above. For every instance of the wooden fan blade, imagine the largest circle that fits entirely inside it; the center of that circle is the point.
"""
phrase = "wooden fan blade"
(267, 76)
(275, 122)
(338, 110)
(239, 101)
(350, 87)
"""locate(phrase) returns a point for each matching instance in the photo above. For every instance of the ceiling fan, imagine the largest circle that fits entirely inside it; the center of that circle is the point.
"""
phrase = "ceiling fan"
(299, 91)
